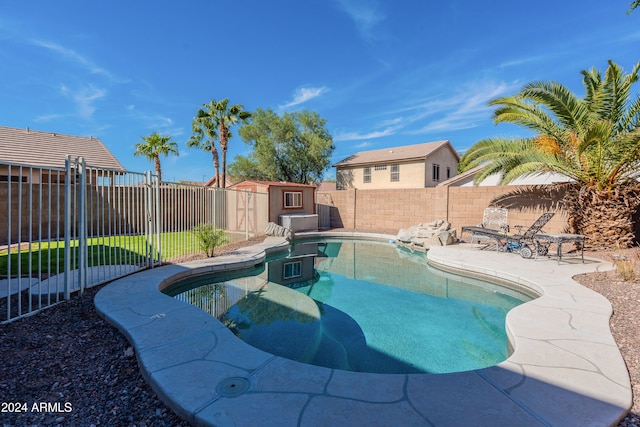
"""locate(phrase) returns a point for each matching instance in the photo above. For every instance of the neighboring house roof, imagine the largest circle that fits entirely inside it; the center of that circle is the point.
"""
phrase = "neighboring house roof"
(271, 184)
(50, 149)
(194, 183)
(214, 179)
(327, 186)
(403, 153)
(465, 179)
(462, 178)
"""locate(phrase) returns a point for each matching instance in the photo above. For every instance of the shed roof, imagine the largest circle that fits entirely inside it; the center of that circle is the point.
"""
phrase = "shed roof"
(50, 149)
(402, 153)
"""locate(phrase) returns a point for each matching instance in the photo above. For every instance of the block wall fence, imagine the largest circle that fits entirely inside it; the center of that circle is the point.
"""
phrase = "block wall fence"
(391, 210)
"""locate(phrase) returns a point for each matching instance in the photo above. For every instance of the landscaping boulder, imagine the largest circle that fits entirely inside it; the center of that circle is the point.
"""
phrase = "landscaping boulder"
(436, 233)
(274, 229)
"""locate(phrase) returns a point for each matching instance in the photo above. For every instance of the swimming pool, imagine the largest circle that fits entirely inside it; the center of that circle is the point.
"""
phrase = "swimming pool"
(565, 368)
(360, 306)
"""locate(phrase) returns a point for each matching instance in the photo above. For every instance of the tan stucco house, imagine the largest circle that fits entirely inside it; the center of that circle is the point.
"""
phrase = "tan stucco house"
(410, 166)
(48, 150)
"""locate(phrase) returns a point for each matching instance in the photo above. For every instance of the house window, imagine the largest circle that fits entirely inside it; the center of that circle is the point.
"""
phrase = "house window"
(395, 173)
(292, 199)
(435, 172)
(366, 176)
(380, 168)
(292, 269)
(448, 172)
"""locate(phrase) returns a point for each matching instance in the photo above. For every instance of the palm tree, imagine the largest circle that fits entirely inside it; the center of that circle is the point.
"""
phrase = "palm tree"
(204, 137)
(153, 146)
(594, 141)
(220, 115)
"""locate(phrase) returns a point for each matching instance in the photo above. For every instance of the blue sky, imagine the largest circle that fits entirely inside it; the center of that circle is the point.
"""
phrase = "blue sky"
(382, 74)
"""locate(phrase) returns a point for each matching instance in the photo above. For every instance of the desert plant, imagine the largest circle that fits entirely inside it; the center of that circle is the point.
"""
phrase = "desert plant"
(209, 237)
(626, 265)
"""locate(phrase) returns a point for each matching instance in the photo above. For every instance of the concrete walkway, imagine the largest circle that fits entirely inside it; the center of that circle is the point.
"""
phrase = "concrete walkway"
(15, 285)
(55, 284)
(566, 369)
(95, 275)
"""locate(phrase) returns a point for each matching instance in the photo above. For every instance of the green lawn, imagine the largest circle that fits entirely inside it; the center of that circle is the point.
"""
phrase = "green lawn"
(49, 257)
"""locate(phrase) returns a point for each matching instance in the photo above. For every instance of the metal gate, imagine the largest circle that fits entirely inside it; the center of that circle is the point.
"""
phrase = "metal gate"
(79, 226)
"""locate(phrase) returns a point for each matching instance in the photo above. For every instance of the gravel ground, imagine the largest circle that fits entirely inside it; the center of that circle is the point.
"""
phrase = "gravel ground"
(624, 296)
(69, 358)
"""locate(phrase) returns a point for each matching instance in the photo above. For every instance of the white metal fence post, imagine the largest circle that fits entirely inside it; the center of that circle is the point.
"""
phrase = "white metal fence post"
(149, 219)
(9, 225)
(67, 228)
(158, 224)
(82, 224)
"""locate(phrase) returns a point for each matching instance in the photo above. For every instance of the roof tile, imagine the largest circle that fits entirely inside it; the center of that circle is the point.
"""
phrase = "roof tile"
(50, 149)
(407, 152)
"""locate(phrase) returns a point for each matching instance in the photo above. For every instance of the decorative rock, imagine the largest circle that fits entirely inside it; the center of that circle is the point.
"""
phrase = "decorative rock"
(432, 241)
(274, 229)
(448, 237)
(436, 233)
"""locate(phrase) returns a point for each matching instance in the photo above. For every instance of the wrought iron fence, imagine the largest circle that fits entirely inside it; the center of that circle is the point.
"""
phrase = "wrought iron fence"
(65, 229)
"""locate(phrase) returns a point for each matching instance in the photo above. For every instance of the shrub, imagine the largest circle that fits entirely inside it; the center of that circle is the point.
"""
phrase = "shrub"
(626, 264)
(209, 237)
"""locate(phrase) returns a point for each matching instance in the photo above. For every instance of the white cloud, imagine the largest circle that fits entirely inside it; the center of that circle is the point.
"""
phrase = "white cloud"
(303, 95)
(72, 55)
(520, 61)
(355, 136)
(366, 15)
(464, 109)
(47, 118)
(365, 144)
(84, 98)
(155, 122)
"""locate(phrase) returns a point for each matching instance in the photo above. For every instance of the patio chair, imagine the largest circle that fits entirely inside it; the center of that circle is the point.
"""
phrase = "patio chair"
(517, 242)
(493, 219)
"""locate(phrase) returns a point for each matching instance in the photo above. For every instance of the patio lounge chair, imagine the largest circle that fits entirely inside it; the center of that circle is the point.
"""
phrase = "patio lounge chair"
(493, 219)
(518, 242)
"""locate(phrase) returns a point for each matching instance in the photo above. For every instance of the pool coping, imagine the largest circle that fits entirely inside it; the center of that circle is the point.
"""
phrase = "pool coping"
(566, 368)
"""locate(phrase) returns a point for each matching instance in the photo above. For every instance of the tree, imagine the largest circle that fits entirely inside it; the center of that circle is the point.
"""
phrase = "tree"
(294, 147)
(634, 5)
(204, 137)
(153, 146)
(214, 120)
(594, 141)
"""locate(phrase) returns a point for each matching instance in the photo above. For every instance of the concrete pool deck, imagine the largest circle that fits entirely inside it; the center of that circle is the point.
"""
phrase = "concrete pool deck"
(565, 370)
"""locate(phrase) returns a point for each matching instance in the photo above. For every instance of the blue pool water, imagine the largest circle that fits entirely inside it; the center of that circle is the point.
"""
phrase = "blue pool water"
(360, 306)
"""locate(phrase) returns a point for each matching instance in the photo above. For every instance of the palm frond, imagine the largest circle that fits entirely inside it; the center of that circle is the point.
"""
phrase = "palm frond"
(568, 109)
(631, 118)
(593, 140)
